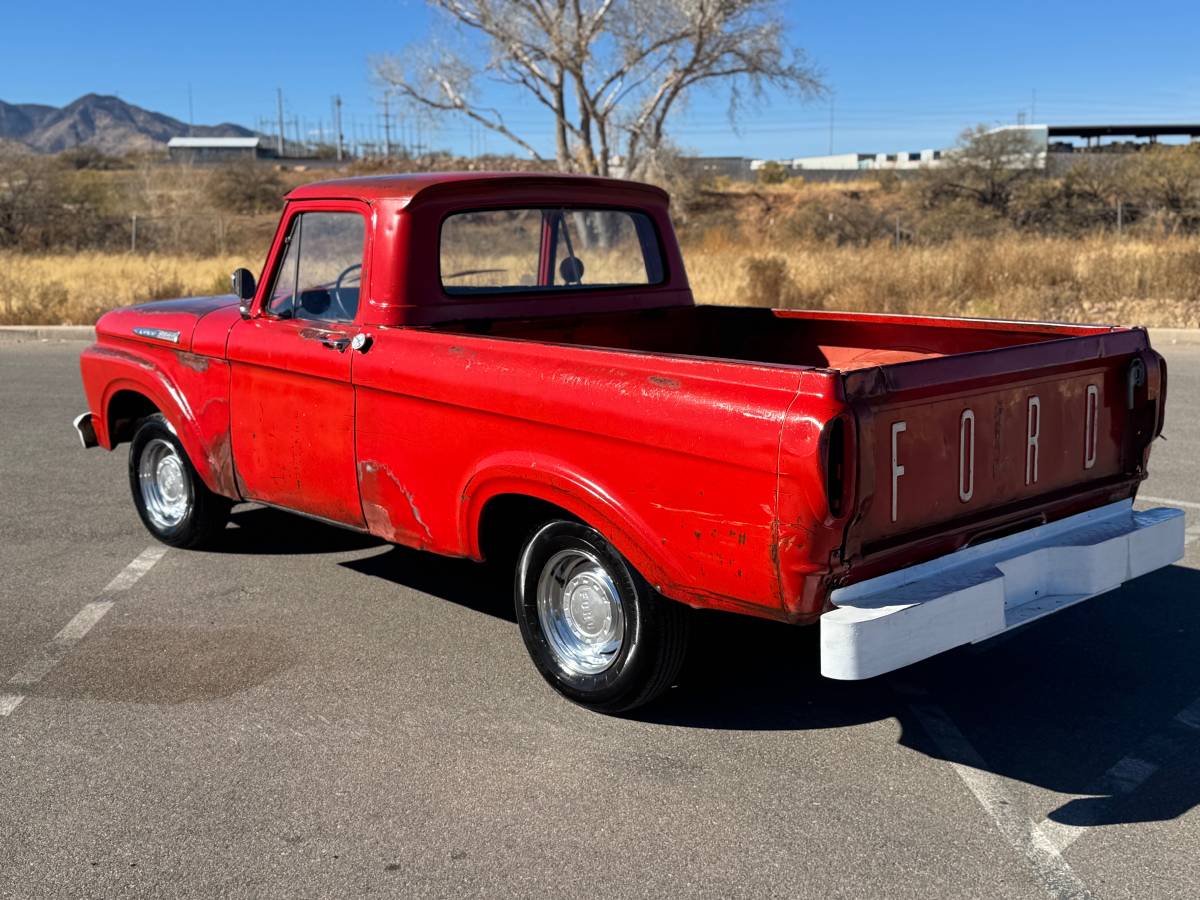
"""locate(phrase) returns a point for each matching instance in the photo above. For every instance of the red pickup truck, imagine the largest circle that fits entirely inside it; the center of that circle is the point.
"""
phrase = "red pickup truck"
(512, 368)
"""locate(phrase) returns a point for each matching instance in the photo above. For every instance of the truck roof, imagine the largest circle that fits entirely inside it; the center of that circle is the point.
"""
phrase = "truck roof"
(405, 188)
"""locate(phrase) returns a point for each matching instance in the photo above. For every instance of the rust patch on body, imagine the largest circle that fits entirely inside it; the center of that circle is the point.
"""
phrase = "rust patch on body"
(192, 361)
(220, 463)
(663, 381)
(385, 497)
(123, 356)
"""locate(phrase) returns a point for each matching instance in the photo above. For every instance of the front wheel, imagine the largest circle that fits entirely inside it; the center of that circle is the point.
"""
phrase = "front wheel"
(173, 503)
(597, 632)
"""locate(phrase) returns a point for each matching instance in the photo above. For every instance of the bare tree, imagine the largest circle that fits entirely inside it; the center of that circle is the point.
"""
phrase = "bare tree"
(608, 73)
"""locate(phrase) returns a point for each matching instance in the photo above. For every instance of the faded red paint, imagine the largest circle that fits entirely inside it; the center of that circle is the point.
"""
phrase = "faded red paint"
(699, 440)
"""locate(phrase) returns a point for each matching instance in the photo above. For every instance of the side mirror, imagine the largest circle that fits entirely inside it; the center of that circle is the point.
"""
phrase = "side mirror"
(243, 288)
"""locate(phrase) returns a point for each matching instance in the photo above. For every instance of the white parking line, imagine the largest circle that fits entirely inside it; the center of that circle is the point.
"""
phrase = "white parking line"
(1191, 534)
(1056, 876)
(1128, 775)
(74, 631)
(129, 575)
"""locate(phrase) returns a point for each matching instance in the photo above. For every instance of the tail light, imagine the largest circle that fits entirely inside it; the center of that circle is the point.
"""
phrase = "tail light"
(834, 460)
(1162, 396)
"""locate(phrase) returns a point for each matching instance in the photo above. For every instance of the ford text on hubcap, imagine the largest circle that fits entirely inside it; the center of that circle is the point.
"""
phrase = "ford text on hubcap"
(580, 612)
(164, 484)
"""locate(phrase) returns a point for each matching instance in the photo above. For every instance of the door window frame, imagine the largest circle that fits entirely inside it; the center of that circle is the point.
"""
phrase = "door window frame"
(278, 252)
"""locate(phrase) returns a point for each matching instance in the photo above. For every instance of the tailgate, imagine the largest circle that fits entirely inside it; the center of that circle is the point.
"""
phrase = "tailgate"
(956, 449)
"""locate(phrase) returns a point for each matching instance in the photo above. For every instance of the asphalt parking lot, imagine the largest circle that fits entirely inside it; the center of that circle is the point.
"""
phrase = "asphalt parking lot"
(311, 713)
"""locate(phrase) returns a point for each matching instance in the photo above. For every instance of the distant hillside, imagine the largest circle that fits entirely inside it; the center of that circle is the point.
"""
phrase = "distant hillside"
(95, 120)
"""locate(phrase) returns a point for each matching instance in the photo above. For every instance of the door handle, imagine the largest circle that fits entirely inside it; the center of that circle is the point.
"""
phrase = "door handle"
(335, 343)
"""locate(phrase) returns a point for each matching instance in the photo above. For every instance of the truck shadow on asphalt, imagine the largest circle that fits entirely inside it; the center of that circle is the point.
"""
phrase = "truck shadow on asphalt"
(1055, 705)
(270, 532)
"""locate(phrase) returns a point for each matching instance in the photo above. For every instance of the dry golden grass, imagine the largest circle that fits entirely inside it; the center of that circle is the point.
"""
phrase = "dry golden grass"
(799, 186)
(1149, 282)
(76, 288)
(1099, 279)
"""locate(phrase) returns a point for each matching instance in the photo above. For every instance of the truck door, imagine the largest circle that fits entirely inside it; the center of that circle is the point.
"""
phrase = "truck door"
(291, 397)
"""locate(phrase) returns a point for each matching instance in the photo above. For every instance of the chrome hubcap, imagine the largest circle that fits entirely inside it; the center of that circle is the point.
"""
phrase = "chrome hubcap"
(164, 484)
(581, 612)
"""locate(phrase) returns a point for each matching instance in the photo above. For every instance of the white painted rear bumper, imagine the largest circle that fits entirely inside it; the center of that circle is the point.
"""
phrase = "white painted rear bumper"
(897, 619)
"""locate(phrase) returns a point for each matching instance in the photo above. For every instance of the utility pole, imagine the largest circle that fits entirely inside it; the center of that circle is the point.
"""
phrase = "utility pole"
(831, 126)
(337, 123)
(1033, 108)
(279, 100)
(191, 118)
(387, 127)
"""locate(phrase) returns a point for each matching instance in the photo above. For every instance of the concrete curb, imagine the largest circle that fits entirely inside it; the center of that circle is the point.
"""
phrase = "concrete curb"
(20, 333)
(1161, 337)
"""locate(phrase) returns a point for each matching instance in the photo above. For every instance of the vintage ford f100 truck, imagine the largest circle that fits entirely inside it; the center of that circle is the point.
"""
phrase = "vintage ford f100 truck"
(512, 368)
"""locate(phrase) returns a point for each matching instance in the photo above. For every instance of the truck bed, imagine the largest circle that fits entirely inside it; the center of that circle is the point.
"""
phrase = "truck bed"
(841, 341)
(958, 430)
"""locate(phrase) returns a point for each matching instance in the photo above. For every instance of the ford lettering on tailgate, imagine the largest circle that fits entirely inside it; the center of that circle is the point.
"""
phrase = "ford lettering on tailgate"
(942, 459)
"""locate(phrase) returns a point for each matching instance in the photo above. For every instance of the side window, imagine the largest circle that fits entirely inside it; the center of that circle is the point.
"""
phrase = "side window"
(320, 276)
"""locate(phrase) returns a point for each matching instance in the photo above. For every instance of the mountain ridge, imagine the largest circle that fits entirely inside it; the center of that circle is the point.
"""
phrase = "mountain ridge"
(102, 121)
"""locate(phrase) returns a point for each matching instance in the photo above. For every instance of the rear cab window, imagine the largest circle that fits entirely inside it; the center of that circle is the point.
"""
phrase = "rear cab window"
(540, 249)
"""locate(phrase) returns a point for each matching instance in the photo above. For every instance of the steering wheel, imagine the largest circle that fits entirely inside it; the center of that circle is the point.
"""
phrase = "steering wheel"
(346, 312)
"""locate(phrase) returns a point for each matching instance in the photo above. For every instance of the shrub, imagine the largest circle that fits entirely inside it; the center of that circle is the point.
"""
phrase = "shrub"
(245, 188)
(768, 282)
(772, 173)
(841, 219)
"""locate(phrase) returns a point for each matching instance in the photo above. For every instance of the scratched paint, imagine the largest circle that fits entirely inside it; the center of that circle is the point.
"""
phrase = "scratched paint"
(390, 508)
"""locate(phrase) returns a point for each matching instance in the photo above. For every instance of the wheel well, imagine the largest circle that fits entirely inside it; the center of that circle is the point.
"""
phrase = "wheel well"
(125, 410)
(508, 520)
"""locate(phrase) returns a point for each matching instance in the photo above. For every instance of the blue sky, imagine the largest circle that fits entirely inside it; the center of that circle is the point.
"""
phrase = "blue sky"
(904, 75)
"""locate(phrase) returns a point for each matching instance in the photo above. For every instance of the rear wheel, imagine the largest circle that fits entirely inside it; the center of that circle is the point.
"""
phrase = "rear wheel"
(597, 632)
(173, 503)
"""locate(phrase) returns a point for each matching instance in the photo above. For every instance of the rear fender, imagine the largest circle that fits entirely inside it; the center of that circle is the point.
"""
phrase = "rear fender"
(550, 480)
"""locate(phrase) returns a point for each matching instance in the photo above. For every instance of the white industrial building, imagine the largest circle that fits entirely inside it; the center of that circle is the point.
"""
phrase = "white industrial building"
(1038, 136)
(218, 149)
(862, 161)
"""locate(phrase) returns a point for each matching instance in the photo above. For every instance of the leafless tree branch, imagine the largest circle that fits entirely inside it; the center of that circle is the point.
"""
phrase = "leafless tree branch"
(606, 69)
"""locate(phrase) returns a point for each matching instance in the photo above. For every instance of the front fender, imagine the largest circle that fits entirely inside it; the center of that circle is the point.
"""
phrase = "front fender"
(192, 393)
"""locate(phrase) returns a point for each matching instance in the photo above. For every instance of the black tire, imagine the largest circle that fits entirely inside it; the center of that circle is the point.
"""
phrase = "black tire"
(204, 513)
(647, 659)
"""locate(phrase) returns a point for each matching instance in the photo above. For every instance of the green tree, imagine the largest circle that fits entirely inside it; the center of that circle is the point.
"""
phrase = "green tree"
(988, 166)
